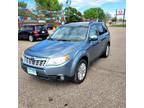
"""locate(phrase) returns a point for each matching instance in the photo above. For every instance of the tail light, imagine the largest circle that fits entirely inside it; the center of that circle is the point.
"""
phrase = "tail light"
(35, 32)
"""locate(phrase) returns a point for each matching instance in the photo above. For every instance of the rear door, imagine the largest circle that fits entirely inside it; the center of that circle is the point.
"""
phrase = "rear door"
(103, 36)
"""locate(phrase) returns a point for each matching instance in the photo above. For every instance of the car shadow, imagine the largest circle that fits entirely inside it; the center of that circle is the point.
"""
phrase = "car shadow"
(94, 62)
(52, 82)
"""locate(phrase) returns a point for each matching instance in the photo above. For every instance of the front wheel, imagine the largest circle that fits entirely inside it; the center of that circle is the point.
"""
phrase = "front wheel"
(81, 71)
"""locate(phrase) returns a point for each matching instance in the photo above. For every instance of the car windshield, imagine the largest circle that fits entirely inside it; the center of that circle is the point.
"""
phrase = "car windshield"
(70, 33)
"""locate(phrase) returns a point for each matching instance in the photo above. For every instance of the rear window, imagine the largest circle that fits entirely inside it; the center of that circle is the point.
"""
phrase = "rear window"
(27, 28)
(39, 27)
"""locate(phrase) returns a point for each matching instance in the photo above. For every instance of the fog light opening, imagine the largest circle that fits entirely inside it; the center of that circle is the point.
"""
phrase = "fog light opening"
(61, 77)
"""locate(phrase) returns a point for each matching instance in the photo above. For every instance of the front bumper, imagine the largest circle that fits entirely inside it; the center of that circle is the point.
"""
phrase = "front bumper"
(48, 72)
(41, 35)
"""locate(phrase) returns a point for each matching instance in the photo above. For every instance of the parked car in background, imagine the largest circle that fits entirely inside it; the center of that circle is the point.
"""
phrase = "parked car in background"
(68, 52)
(49, 26)
(32, 32)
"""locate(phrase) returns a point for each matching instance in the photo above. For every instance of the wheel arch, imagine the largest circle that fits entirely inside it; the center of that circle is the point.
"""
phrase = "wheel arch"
(78, 58)
(84, 57)
(109, 43)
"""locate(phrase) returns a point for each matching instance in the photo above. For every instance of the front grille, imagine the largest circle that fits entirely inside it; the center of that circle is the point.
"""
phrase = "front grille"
(34, 61)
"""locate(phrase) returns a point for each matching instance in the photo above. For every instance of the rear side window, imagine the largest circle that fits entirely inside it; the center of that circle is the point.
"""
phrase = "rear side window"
(27, 28)
(40, 27)
(105, 28)
(101, 29)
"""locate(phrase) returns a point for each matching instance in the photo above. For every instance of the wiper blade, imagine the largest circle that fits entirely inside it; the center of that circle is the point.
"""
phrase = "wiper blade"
(63, 40)
(51, 39)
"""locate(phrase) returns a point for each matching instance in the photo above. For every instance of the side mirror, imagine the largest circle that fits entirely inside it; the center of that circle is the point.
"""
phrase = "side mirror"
(93, 38)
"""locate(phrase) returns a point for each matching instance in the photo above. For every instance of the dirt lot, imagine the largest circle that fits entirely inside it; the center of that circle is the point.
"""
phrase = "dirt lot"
(104, 86)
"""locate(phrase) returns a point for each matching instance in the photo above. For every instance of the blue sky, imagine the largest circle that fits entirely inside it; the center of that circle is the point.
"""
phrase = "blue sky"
(109, 6)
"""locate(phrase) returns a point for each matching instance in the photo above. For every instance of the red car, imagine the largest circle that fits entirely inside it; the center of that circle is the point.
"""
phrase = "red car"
(33, 32)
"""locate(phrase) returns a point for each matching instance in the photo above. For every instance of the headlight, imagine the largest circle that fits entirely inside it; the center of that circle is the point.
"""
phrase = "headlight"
(57, 60)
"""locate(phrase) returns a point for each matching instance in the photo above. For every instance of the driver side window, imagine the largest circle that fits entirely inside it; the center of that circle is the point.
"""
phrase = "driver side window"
(92, 30)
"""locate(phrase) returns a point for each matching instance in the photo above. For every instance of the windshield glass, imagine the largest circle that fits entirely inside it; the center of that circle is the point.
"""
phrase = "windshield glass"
(70, 33)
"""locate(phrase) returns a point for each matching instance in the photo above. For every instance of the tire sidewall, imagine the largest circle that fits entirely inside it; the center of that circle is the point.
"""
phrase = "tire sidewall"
(31, 37)
(104, 53)
(108, 46)
(76, 79)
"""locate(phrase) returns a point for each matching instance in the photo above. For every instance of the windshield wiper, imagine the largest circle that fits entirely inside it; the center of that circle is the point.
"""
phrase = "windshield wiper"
(62, 40)
(51, 39)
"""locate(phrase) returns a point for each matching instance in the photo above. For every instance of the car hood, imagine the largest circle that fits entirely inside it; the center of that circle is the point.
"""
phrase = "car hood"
(48, 48)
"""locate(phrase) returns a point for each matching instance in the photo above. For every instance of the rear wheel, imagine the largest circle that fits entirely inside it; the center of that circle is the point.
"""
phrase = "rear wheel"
(107, 51)
(31, 38)
(81, 71)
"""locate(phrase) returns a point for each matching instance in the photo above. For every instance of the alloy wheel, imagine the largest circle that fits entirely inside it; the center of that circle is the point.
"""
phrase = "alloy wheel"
(81, 71)
(31, 38)
(107, 50)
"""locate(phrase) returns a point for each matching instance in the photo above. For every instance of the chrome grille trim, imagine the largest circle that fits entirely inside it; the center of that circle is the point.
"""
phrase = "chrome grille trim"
(34, 61)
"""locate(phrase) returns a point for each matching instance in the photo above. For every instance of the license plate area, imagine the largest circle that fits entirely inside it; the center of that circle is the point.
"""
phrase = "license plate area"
(31, 71)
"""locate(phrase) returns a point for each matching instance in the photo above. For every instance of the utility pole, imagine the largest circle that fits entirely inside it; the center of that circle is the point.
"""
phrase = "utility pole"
(124, 17)
(116, 17)
(68, 3)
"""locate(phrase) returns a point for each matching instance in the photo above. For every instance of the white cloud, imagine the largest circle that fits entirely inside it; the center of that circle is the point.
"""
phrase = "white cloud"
(85, 4)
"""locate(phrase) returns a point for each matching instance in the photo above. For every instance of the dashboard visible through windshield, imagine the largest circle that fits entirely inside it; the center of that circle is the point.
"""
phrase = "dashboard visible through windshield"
(70, 33)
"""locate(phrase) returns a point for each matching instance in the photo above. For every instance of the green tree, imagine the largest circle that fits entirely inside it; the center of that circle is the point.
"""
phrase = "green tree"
(51, 5)
(26, 13)
(114, 19)
(73, 15)
(94, 13)
(22, 4)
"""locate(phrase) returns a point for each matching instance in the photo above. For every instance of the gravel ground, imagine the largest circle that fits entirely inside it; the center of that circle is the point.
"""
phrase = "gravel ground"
(104, 86)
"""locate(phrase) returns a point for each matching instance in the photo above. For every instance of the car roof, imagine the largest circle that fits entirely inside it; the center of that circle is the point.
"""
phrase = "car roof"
(77, 24)
(82, 23)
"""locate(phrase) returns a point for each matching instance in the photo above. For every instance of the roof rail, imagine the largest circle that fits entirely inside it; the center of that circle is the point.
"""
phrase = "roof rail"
(99, 20)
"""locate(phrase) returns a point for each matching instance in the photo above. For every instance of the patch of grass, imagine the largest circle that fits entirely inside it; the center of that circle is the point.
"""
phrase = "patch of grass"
(118, 25)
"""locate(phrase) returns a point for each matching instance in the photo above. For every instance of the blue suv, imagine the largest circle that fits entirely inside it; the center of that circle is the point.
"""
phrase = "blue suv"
(68, 52)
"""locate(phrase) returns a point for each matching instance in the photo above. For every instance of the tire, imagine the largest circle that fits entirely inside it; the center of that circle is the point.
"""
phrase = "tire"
(19, 38)
(80, 72)
(31, 38)
(107, 51)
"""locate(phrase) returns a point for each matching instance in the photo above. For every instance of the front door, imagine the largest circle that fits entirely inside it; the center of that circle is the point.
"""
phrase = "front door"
(93, 44)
